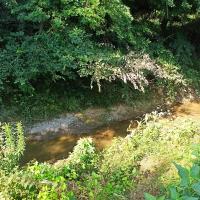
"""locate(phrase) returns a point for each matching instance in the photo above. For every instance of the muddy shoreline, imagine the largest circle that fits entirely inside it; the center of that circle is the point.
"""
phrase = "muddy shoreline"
(86, 121)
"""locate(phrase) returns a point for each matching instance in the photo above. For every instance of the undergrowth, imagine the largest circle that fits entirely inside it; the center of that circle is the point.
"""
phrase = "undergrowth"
(141, 162)
(47, 104)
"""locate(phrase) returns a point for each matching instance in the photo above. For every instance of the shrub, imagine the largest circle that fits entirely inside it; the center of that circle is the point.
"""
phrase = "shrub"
(68, 39)
(142, 159)
(18, 184)
(188, 187)
(12, 146)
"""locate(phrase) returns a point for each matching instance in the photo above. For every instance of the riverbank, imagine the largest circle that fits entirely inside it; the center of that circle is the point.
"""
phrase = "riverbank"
(58, 146)
(127, 168)
(86, 121)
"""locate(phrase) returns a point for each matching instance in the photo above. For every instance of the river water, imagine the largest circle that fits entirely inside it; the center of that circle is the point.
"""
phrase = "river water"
(59, 147)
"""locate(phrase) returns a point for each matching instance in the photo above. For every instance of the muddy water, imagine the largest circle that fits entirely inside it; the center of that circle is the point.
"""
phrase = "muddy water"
(189, 109)
(59, 147)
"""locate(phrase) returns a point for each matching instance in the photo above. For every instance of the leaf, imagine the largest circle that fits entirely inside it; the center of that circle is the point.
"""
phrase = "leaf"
(190, 198)
(195, 171)
(161, 198)
(173, 193)
(149, 197)
(196, 188)
(184, 175)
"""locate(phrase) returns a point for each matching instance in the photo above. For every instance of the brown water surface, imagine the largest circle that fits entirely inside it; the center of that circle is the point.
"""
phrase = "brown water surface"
(59, 147)
(190, 109)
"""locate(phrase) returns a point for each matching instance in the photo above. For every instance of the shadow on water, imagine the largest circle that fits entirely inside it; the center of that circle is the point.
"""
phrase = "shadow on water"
(59, 147)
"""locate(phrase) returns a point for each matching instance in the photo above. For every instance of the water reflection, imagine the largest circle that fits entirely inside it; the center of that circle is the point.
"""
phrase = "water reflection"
(59, 147)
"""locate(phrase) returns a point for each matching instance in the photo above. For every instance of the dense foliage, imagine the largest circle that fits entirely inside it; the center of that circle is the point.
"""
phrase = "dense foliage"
(52, 52)
(11, 146)
(189, 186)
(131, 166)
(43, 41)
(58, 40)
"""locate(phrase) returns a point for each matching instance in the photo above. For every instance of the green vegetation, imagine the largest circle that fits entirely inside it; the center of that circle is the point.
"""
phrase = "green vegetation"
(188, 188)
(141, 162)
(11, 146)
(51, 50)
(47, 104)
(52, 53)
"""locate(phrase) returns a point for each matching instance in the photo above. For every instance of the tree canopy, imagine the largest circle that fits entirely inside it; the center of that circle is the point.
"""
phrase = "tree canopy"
(68, 39)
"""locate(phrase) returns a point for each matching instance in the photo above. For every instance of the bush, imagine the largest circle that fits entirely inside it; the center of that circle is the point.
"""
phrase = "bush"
(12, 146)
(189, 186)
(141, 160)
(50, 41)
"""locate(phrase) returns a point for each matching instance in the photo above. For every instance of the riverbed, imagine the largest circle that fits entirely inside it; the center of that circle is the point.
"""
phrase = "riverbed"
(59, 147)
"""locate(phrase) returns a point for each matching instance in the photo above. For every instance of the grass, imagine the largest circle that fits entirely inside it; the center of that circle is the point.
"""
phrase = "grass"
(152, 149)
(141, 162)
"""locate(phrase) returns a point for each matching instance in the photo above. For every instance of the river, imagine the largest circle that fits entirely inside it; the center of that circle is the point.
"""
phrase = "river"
(60, 147)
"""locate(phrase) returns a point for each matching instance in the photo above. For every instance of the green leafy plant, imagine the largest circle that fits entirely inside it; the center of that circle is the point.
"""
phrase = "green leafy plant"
(188, 187)
(141, 160)
(56, 190)
(12, 146)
